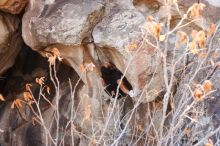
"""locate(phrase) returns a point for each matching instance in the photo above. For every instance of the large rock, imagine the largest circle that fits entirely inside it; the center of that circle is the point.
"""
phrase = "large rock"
(12, 6)
(117, 31)
(67, 22)
(10, 41)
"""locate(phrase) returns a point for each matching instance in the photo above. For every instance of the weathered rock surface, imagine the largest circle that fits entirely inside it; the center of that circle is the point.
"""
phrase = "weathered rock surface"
(66, 22)
(12, 6)
(117, 31)
(117, 28)
(10, 41)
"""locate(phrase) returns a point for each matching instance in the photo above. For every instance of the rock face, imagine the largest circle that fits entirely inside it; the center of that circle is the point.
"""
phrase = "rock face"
(60, 22)
(87, 34)
(10, 41)
(13, 6)
(119, 29)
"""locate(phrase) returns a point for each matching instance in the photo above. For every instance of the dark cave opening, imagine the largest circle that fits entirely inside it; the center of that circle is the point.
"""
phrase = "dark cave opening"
(111, 77)
(28, 66)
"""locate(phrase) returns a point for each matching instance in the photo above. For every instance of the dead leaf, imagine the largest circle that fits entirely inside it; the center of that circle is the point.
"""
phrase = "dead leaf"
(192, 47)
(183, 37)
(156, 29)
(40, 80)
(150, 18)
(56, 54)
(196, 10)
(27, 96)
(198, 93)
(210, 143)
(211, 29)
(17, 103)
(201, 39)
(12, 105)
(140, 128)
(82, 68)
(28, 87)
(187, 132)
(2, 98)
(207, 86)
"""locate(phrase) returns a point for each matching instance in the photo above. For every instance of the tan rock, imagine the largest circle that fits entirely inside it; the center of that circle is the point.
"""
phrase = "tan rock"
(10, 41)
(12, 6)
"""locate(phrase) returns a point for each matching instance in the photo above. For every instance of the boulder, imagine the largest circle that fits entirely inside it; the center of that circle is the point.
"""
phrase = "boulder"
(10, 41)
(120, 29)
(13, 6)
(66, 22)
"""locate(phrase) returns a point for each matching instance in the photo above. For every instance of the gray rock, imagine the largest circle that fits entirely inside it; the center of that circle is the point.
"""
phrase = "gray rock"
(10, 41)
(66, 22)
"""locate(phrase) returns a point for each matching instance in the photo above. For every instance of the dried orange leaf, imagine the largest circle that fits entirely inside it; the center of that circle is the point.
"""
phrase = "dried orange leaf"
(196, 9)
(2, 98)
(13, 105)
(156, 29)
(28, 87)
(192, 47)
(207, 86)
(27, 96)
(198, 93)
(211, 29)
(82, 68)
(150, 18)
(40, 80)
(17, 103)
(56, 54)
(183, 37)
(201, 39)
(187, 132)
(210, 143)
